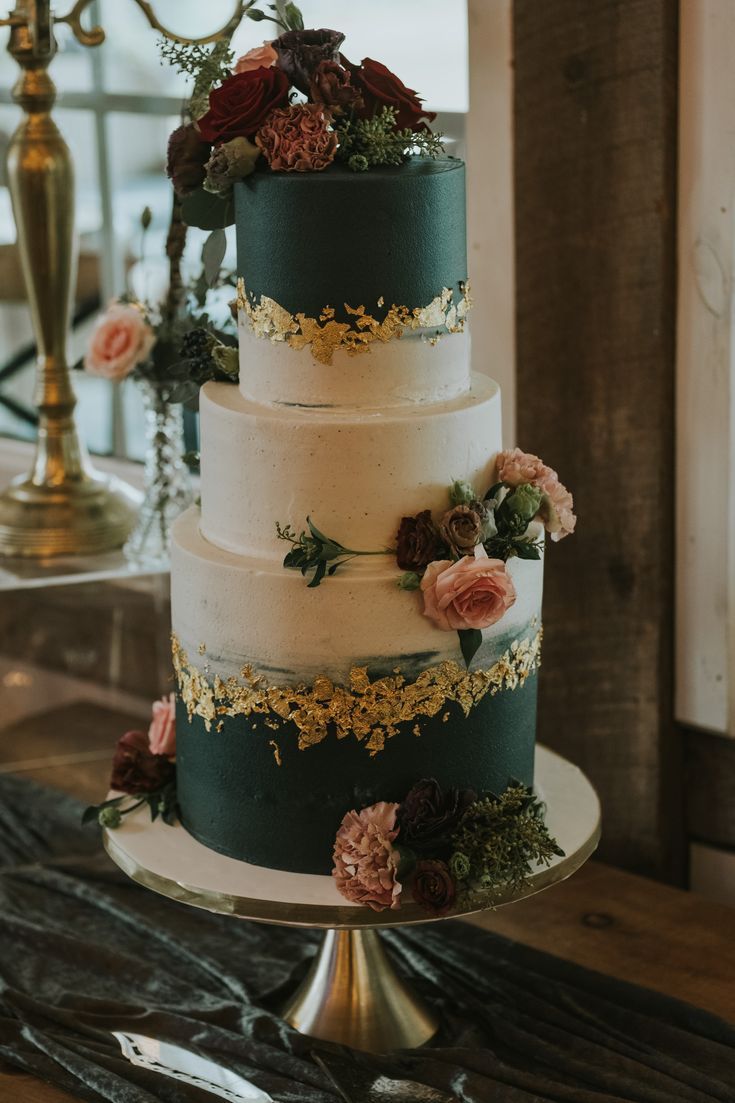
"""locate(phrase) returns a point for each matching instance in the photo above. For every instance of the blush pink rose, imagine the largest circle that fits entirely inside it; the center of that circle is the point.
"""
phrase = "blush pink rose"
(473, 592)
(162, 731)
(365, 860)
(121, 339)
(261, 57)
(557, 506)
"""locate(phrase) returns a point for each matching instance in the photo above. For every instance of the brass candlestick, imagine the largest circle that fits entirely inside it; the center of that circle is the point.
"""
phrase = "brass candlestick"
(63, 506)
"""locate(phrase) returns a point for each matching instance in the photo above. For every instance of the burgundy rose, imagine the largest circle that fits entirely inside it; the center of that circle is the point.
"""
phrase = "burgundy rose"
(135, 769)
(241, 105)
(418, 542)
(428, 816)
(433, 886)
(187, 156)
(381, 88)
(331, 86)
(300, 52)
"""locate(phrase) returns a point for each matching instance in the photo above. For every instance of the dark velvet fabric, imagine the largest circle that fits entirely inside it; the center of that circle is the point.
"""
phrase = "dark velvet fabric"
(84, 951)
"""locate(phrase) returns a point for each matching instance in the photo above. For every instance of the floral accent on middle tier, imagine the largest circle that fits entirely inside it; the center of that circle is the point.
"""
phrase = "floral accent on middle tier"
(326, 334)
(370, 710)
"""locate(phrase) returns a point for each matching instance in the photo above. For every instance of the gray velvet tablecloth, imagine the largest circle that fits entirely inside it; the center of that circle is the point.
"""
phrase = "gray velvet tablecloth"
(84, 951)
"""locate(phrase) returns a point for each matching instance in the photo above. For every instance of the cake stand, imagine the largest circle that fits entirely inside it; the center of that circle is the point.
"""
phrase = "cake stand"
(352, 994)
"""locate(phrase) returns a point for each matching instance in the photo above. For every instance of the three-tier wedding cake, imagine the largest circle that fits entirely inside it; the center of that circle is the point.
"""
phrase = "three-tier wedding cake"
(356, 602)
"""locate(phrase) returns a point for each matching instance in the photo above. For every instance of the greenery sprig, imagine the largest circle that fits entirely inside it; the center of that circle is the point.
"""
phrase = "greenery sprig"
(498, 842)
(365, 143)
(315, 552)
(110, 813)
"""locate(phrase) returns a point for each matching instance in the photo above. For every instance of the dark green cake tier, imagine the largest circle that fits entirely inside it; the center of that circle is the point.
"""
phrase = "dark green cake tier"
(312, 240)
(237, 799)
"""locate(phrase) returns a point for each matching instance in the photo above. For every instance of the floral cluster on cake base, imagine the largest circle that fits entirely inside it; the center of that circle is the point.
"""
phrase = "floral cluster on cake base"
(143, 771)
(294, 104)
(458, 560)
(446, 848)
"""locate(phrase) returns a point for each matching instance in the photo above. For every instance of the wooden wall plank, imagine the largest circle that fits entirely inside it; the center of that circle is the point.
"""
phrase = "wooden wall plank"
(595, 175)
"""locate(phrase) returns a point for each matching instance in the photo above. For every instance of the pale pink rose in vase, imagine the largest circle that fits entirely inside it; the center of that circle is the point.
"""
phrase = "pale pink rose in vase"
(162, 730)
(473, 592)
(121, 339)
(557, 507)
(365, 860)
(261, 57)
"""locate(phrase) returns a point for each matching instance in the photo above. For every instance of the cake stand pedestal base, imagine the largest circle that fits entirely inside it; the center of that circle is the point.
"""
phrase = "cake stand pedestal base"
(352, 994)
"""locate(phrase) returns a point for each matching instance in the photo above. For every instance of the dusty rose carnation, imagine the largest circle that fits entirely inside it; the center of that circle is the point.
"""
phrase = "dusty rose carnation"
(365, 860)
(474, 592)
(297, 139)
(121, 339)
(260, 57)
(162, 730)
(557, 506)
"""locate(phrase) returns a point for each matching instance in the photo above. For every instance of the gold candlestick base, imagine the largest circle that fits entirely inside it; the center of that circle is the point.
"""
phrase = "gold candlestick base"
(93, 514)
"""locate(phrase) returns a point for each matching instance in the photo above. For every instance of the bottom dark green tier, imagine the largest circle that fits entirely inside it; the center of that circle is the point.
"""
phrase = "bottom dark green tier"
(237, 799)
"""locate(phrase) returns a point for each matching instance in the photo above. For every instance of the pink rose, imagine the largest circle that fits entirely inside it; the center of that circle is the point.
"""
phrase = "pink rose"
(121, 339)
(261, 57)
(473, 592)
(557, 505)
(162, 732)
(365, 860)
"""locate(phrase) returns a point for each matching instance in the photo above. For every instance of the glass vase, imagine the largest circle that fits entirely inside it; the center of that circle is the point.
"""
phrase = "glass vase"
(167, 489)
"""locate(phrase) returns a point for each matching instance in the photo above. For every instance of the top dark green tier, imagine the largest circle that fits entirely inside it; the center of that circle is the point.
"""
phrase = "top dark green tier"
(316, 239)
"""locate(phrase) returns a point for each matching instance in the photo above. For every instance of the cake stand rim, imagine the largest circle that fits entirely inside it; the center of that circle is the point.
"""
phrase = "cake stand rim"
(348, 916)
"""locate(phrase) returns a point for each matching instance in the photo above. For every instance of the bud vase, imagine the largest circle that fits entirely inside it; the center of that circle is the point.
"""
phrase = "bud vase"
(167, 489)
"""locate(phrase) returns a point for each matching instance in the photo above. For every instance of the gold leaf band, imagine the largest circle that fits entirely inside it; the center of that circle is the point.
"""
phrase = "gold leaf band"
(371, 711)
(325, 335)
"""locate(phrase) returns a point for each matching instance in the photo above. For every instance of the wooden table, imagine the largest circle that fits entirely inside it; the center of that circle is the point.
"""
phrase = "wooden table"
(601, 918)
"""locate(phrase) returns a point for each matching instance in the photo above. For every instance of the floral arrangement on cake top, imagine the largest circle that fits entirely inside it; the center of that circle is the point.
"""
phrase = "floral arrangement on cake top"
(448, 847)
(294, 104)
(458, 560)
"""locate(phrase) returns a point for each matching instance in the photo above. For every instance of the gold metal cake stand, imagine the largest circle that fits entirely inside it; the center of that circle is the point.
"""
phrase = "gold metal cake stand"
(352, 993)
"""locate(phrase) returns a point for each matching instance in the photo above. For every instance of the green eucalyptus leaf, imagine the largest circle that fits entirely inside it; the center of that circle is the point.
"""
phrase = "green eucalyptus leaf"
(321, 570)
(207, 211)
(470, 640)
(294, 18)
(213, 254)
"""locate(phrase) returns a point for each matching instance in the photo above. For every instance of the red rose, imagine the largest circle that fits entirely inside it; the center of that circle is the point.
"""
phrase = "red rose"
(135, 769)
(381, 88)
(241, 105)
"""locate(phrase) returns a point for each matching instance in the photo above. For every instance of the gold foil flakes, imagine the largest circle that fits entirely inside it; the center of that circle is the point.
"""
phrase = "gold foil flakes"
(325, 335)
(370, 711)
